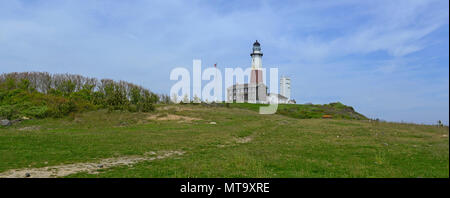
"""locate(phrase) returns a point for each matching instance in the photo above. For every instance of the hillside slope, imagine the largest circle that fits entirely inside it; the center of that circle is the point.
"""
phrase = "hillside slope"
(220, 142)
(40, 95)
(306, 111)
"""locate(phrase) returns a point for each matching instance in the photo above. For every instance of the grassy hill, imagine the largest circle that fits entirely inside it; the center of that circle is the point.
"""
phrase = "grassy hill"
(336, 110)
(215, 141)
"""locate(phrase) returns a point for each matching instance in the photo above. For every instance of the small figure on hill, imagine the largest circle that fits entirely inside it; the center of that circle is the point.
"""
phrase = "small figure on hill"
(440, 123)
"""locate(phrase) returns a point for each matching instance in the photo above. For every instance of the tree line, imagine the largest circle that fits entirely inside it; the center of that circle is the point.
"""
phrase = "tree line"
(40, 94)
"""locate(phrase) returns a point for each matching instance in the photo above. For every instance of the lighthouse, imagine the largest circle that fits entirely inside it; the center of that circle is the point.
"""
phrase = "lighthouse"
(256, 74)
(256, 91)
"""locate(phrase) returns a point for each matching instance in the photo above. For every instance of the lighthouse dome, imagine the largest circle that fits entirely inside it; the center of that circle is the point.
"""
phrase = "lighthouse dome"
(256, 47)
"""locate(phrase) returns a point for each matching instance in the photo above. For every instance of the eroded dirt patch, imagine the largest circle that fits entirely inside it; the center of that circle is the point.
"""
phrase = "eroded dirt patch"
(172, 117)
(174, 108)
(235, 141)
(29, 128)
(68, 169)
(243, 140)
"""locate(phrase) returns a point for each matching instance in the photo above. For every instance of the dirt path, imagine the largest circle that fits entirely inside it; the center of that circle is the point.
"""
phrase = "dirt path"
(67, 169)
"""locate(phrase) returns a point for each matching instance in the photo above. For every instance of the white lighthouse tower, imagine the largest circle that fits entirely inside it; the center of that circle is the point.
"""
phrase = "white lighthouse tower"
(256, 75)
(256, 56)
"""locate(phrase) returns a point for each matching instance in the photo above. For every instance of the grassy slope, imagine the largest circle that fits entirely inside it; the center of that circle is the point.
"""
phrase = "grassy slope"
(337, 110)
(281, 146)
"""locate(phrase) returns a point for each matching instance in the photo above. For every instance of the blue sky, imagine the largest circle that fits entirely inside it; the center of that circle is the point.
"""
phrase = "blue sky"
(388, 59)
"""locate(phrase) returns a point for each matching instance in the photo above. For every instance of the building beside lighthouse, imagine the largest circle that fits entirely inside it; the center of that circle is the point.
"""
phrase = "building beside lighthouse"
(256, 91)
(284, 97)
(285, 87)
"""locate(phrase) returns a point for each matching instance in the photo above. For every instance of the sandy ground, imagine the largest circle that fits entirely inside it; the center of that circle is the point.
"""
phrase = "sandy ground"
(172, 117)
(29, 128)
(244, 140)
(176, 108)
(67, 169)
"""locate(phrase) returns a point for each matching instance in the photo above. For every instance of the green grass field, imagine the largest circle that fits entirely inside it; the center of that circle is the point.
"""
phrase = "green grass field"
(242, 143)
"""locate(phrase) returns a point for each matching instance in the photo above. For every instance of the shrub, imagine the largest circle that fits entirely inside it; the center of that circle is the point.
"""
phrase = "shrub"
(36, 111)
(7, 111)
(39, 95)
